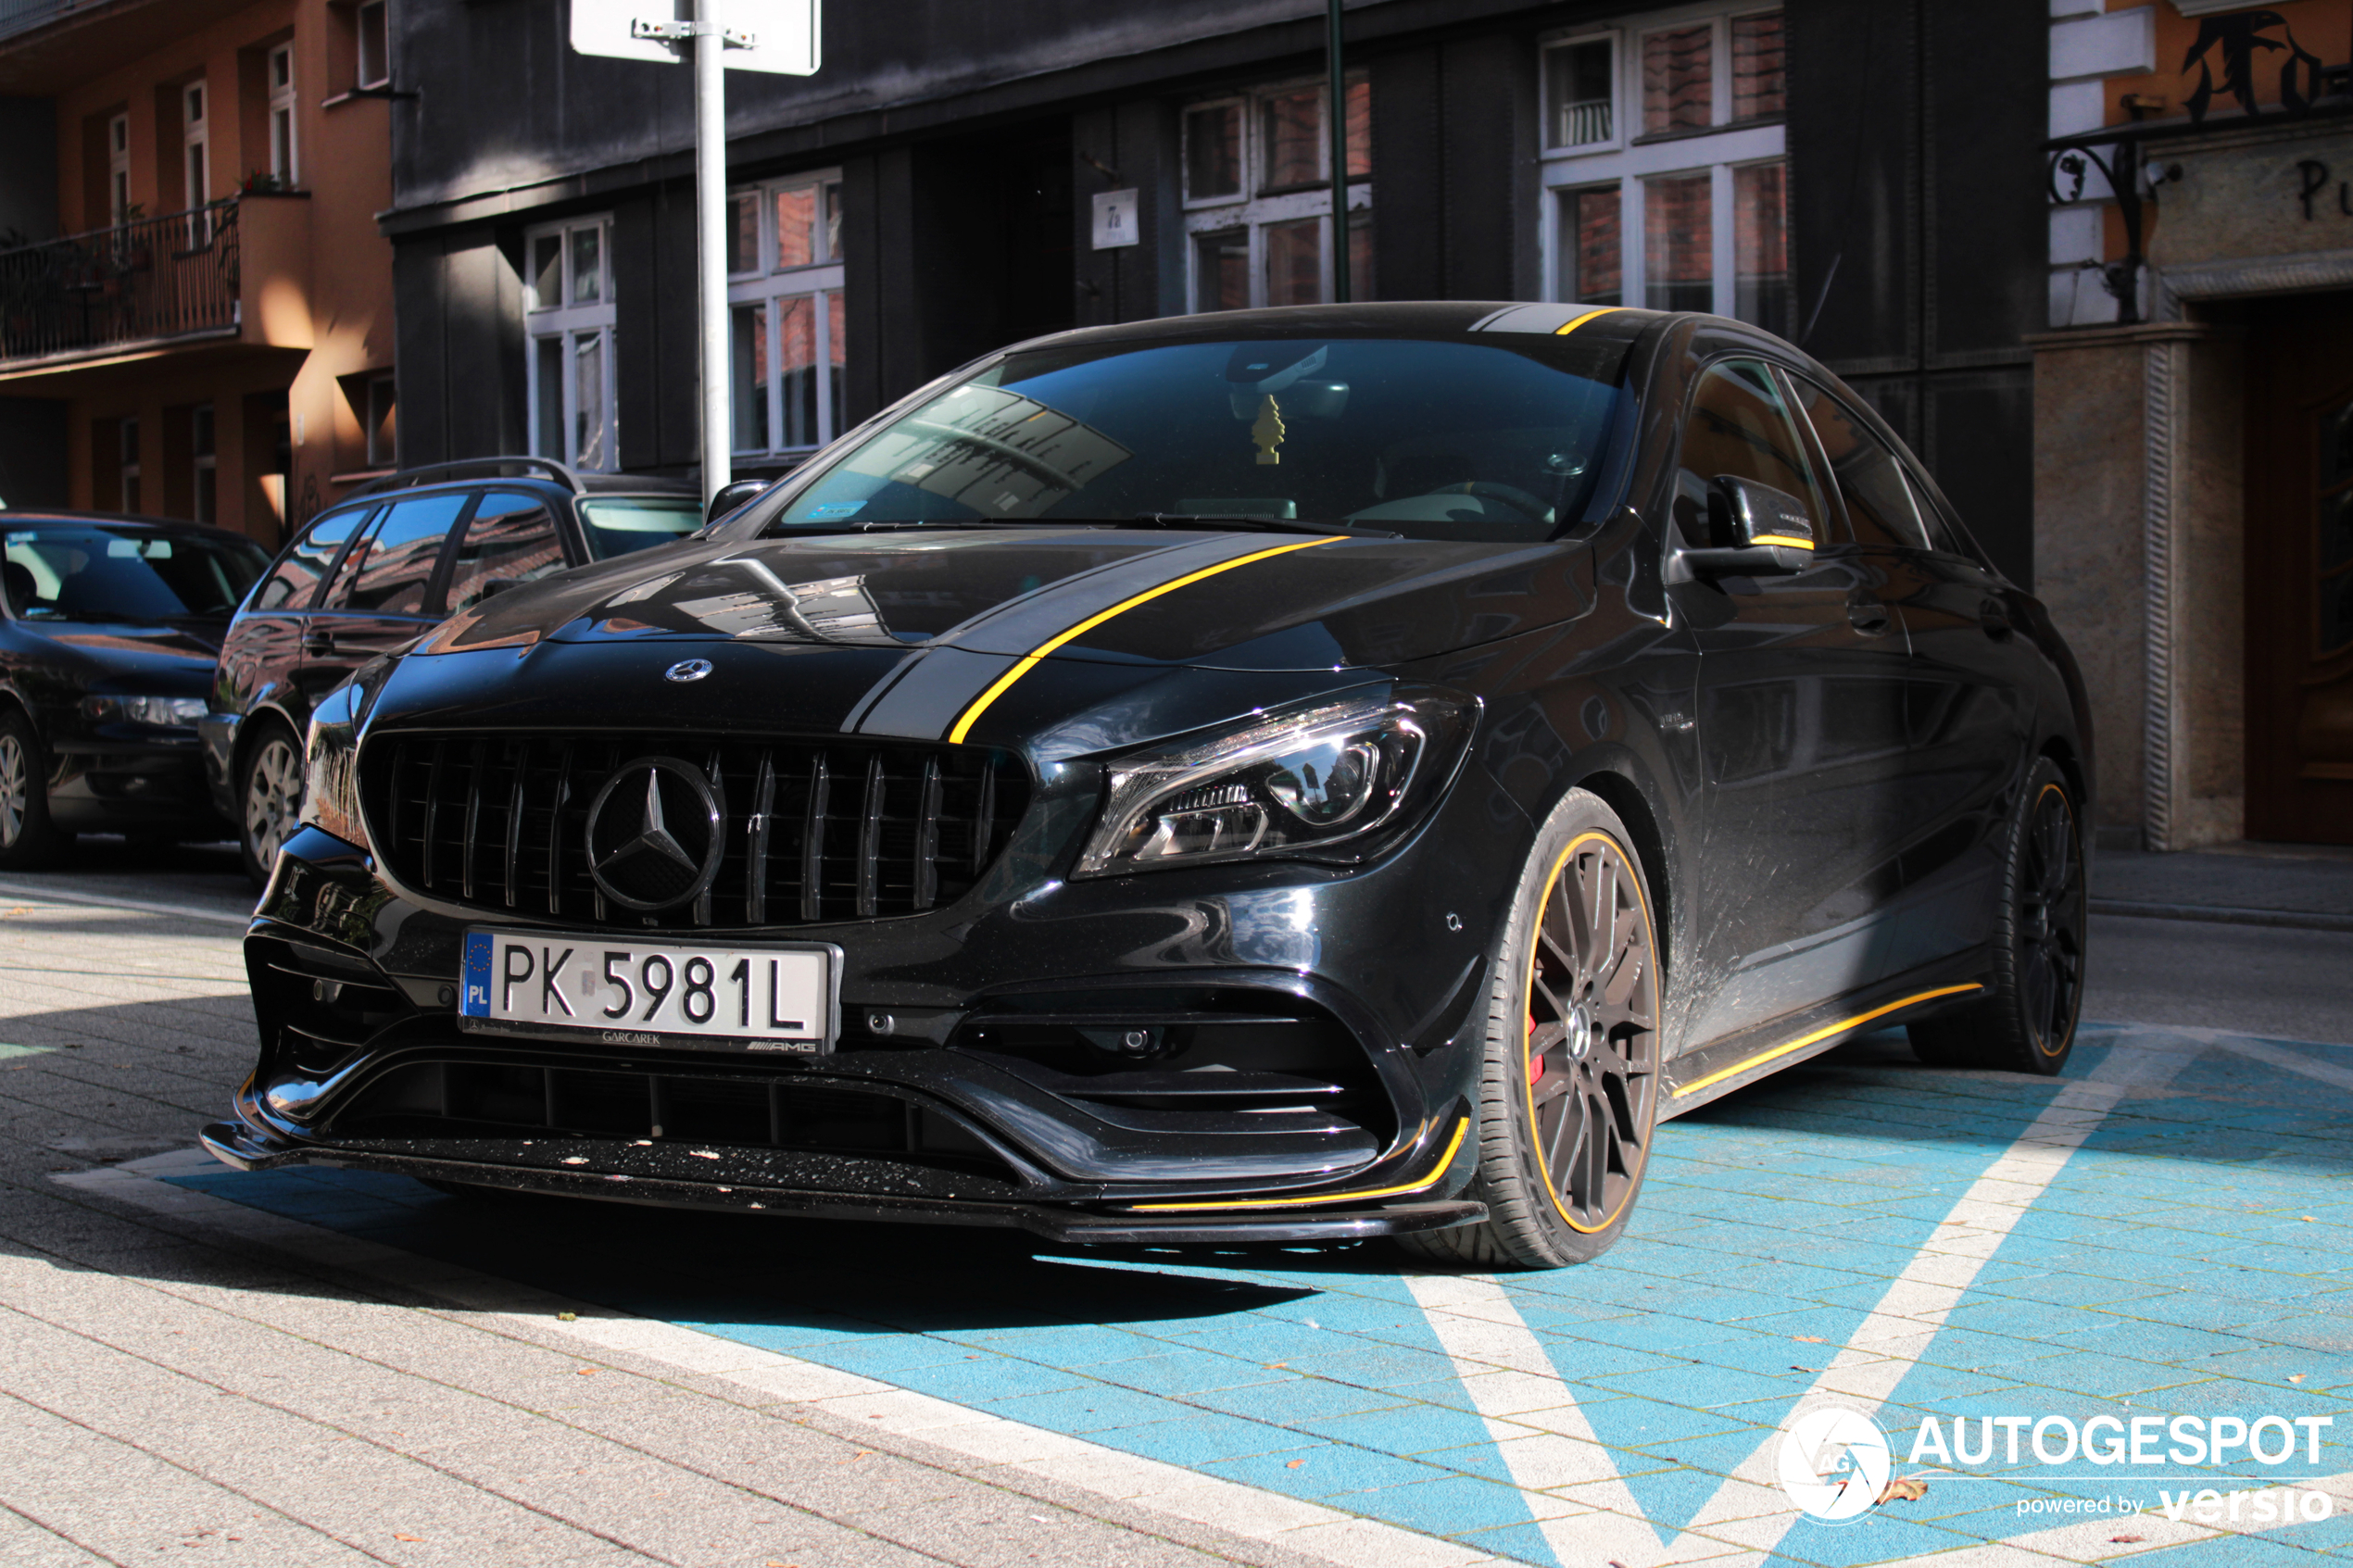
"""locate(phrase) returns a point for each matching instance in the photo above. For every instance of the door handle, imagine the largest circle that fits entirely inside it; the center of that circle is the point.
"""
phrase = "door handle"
(1994, 617)
(317, 642)
(1867, 613)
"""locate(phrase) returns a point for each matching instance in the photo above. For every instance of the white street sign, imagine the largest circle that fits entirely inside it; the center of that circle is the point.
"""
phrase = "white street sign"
(786, 32)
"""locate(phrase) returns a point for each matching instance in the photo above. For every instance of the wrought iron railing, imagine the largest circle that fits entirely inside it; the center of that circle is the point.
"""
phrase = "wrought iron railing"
(151, 278)
(22, 16)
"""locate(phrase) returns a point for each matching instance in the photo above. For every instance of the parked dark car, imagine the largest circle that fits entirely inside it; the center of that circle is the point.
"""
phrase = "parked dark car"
(1280, 775)
(378, 570)
(108, 629)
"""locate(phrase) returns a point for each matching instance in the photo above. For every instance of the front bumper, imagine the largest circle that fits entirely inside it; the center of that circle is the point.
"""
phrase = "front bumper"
(108, 785)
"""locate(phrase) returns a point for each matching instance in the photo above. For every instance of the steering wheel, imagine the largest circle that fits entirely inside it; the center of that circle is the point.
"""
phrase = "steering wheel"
(1509, 494)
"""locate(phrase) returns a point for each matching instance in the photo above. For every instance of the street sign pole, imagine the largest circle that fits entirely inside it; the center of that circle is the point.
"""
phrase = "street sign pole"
(711, 248)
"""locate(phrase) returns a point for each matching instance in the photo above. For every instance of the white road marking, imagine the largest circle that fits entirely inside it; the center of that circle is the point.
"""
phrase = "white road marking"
(1479, 1327)
(2273, 1056)
(1248, 1512)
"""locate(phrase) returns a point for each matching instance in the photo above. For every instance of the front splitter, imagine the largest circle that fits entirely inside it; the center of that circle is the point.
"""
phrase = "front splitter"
(237, 1146)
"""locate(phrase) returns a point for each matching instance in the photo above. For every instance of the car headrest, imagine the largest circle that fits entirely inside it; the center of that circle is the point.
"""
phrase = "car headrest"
(15, 581)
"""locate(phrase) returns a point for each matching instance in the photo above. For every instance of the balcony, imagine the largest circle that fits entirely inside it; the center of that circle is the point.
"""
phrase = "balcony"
(236, 272)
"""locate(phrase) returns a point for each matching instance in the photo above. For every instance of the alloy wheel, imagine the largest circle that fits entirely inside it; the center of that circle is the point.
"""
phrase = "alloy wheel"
(2051, 916)
(273, 799)
(13, 775)
(1592, 1034)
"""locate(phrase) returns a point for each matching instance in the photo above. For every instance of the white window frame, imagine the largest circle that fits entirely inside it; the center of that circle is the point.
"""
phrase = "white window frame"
(766, 283)
(195, 142)
(1255, 213)
(1630, 158)
(285, 158)
(361, 64)
(572, 321)
(118, 169)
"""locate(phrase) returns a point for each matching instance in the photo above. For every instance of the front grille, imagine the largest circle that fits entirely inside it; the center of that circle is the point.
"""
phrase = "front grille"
(813, 831)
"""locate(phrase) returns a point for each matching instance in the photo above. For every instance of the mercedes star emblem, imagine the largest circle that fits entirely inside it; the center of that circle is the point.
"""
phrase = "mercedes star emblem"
(655, 834)
(688, 669)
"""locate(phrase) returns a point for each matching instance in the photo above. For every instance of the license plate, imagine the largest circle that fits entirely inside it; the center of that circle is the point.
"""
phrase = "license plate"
(627, 993)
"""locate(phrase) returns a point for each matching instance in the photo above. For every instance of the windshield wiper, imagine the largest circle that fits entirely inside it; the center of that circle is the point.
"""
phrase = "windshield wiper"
(1265, 521)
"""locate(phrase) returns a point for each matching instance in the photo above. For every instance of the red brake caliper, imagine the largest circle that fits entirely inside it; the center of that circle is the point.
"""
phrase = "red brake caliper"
(1535, 1062)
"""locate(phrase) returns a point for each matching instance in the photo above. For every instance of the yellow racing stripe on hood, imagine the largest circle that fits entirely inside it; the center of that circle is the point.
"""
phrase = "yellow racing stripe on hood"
(1029, 660)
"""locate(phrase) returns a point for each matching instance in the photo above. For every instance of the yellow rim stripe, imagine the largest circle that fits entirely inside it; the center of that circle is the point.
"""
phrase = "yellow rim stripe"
(1029, 660)
(1823, 1033)
(1453, 1146)
(1563, 332)
(1792, 540)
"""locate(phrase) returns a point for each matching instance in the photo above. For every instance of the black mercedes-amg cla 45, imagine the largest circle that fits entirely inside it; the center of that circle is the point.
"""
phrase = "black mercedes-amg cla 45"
(1283, 775)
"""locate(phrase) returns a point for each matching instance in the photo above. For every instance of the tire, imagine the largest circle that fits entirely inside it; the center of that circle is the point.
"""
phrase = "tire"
(2026, 1020)
(269, 797)
(1562, 1152)
(27, 836)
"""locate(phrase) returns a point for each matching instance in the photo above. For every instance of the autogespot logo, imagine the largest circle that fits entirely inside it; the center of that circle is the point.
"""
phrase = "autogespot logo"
(1834, 1463)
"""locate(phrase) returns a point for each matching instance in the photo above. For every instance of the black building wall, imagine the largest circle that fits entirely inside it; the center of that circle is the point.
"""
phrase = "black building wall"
(32, 431)
(1919, 229)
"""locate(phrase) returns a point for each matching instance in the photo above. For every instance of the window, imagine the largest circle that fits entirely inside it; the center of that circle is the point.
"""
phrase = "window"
(1666, 166)
(387, 572)
(297, 577)
(195, 143)
(569, 315)
(383, 445)
(119, 170)
(1258, 197)
(282, 115)
(200, 442)
(511, 539)
(374, 65)
(129, 464)
(786, 332)
(1740, 426)
(1880, 505)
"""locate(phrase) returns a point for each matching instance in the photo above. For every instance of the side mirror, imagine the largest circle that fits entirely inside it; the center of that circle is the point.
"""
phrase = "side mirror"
(1770, 533)
(730, 496)
(491, 586)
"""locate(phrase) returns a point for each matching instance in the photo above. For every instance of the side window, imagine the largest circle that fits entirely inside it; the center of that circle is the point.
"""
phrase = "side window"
(513, 538)
(291, 584)
(1739, 425)
(388, 572)
(1870, 477)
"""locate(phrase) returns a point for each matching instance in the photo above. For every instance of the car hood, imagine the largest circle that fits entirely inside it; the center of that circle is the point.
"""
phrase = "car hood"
(134, 649)
(906, 634)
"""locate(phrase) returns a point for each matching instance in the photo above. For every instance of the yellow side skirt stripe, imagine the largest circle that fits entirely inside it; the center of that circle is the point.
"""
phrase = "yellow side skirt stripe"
(1029, 660)
(1573, 325)
(1823, 1033)
(1792, 540)
(1445, 1164)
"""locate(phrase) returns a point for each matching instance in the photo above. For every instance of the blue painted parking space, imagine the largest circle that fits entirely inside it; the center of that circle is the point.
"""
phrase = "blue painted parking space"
(2011, 1267)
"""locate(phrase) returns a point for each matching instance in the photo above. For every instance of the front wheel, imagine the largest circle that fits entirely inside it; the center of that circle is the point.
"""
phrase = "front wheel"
(268, 799)
(1569, 1083)
(2025, 1022)
(27, 839)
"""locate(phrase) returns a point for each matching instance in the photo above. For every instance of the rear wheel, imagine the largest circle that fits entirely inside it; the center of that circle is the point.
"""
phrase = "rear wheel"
(1570, 1086)
(2026, 1020)
(27, 837)
(268, 799)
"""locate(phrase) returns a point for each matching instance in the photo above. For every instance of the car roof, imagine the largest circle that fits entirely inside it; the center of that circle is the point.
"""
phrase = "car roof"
(1442, 317)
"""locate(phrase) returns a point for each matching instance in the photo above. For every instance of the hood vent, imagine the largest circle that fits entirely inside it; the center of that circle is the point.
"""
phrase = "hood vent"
(811, 832)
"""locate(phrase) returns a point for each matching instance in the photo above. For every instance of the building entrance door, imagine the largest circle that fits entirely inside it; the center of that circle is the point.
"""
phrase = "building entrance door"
(2299, 570)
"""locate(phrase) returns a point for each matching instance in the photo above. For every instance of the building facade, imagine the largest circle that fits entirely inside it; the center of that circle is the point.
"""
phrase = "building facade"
(2194, 408)
(195, 303)
(1861, 175)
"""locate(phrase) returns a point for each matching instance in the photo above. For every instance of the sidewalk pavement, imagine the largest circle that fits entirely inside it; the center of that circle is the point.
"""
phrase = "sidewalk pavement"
(2309, 886)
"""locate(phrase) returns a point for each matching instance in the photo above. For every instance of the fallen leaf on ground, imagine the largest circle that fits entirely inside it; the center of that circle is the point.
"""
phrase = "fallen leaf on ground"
(1808, 1338)
(2295, 1377)
(1294, 1464)
(2307, 1219)
(586, 1371)
(1904, 1489)
(2125, 1540)
(399, 1537)
(567, 1317)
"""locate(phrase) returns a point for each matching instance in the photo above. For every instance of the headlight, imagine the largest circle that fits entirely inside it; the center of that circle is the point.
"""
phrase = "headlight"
(330, 769)
(1335, 782)
(163, 711)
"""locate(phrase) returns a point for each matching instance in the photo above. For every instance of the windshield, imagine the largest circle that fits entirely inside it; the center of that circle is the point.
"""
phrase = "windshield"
(1432, 439)
(83, 571)
(619, 524)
